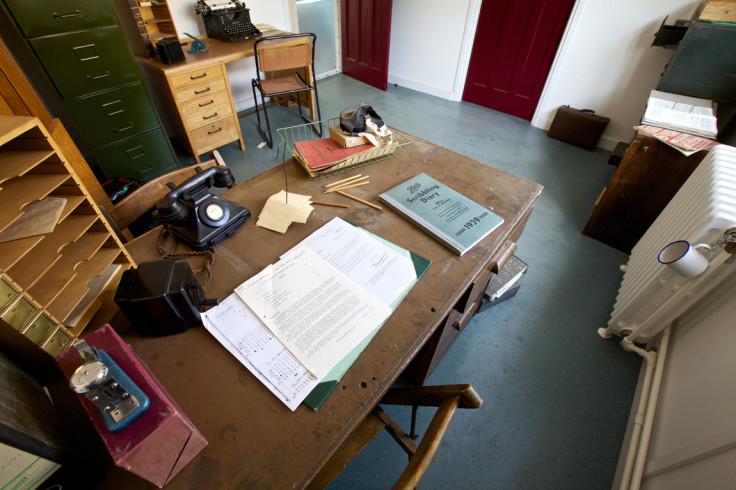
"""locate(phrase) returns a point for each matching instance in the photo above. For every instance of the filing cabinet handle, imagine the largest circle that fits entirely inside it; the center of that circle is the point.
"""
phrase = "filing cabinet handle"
(210, 116)
(58, 16)
(215, 131)
(202, 91)
(97, 77)
(129, 126)
(212, 101)
(198, 76)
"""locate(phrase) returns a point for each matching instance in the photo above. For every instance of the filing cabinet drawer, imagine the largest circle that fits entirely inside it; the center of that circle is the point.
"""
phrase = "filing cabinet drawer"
(196, 76)
(114, 115)
(7, 293)
(39, 329)
(81, 63)
(19, 313)
(212, 114)
(201, 89)
(144, 157)
(214, 135)
(43, 17)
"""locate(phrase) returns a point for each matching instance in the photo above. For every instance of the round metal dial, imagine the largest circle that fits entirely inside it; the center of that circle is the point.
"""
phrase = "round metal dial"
(88, 376)
(214, 212)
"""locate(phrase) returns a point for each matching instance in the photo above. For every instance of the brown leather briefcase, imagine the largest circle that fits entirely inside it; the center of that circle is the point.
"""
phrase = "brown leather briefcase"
(579, 127)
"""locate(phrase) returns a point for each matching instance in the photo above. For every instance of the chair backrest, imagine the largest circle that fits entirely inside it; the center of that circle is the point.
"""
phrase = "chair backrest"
(145, 198)
(286, 52)
(448, 398)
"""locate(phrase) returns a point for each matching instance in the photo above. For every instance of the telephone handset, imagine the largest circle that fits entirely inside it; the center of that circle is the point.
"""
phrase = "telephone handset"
(197, 217)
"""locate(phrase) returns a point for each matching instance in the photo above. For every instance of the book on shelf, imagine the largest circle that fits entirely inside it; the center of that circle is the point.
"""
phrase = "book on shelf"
(324, 152)
(450, 217)
(681, 113)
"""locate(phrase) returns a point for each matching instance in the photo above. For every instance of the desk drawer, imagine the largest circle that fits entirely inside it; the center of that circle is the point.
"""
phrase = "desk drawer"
(85, 62)
(214, 135)
(196, 76)
(40, 18)
(211, 114)
(204, 104)
(113, 116)
(143, 157)
(201, 89)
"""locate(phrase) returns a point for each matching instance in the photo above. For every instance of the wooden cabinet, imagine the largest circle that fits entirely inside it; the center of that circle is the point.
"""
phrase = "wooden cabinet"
(649, 175)
(50, 284)
(145, 22)
(200, 102)
(86, 67)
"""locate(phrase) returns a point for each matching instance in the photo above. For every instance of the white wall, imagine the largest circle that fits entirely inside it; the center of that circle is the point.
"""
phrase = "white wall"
(240, 72)
(693, 442)
(606, 62)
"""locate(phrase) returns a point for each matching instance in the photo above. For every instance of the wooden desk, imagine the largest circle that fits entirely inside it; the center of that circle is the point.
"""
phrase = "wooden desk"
(254, 440)
(197, 95)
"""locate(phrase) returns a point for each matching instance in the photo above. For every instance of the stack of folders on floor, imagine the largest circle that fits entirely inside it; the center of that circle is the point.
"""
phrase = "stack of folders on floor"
(505, 284)
(299, 324)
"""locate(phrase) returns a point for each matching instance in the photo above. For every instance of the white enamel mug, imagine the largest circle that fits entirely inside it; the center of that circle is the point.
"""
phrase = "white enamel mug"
(685, 259)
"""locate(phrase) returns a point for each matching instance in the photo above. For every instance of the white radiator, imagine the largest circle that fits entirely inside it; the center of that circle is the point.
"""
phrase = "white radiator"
(652, 295)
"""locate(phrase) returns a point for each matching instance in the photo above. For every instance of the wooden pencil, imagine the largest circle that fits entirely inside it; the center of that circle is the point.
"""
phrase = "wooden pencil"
(345, 181)
(343, 187)
(330, 204)
(360, 200)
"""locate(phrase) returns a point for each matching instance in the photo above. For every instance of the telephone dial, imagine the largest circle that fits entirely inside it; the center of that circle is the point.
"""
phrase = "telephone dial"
(197, 217)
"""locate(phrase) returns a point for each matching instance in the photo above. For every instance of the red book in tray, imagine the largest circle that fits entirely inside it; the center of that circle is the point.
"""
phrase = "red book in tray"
(324, 152)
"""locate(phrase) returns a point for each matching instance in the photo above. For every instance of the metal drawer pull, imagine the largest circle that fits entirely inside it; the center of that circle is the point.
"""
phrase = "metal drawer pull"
(209, 117)
(202, 91)
(199, 76)
(58, 16)
(215, 131)
(207, 103)
(129, 126)
(97, 77)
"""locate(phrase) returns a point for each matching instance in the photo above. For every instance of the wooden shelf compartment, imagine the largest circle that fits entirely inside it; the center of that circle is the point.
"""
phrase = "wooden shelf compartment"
(69, 299)
(11, 252)
(14, 163)
(16, 131)
(19, 192)
(99, 288)
(41, 257)
(73, 255)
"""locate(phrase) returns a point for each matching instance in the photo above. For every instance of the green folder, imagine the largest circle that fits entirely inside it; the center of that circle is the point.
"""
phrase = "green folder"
(319, 394)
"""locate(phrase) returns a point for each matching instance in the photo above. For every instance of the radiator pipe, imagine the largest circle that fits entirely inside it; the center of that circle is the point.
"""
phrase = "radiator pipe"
(643, 421)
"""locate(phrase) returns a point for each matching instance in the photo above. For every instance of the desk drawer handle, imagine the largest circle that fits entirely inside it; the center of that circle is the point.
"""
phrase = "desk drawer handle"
(212, 101)
(202, 91)
(58, 16)
(215, 131)
(129, 126)
(198, 76)
(503, 256)
(469, 312)
(97, 77)
(209, 117)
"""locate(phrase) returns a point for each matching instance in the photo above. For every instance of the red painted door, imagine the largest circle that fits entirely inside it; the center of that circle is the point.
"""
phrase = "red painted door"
(515, 44)
(365, 32)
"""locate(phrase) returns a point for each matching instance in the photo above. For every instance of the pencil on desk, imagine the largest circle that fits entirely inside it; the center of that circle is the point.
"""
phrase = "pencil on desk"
(343, 187)
(360, 200)
(345, 181)
(330, 204)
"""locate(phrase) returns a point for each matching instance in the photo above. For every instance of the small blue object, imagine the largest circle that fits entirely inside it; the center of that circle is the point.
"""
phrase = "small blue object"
(197, 45)
(130, 386)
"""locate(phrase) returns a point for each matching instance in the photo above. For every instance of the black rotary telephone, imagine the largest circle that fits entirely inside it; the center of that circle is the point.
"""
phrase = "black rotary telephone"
(198, 218)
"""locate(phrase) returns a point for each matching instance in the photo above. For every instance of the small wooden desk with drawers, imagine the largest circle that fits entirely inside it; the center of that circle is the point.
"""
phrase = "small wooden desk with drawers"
(197, 95)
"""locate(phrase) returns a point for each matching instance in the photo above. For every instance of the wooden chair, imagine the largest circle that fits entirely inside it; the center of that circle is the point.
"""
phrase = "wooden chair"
(285, 62)
(145, 198)
(447, 398)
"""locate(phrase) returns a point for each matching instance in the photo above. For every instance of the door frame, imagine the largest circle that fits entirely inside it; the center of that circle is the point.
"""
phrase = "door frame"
(541, 118)
(294, 27)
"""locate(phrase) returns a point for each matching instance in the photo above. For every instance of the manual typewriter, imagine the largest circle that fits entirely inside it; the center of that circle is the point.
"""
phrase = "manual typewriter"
(226, 20)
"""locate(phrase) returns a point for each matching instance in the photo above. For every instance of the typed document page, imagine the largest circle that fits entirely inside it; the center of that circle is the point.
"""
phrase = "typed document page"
(318, 313)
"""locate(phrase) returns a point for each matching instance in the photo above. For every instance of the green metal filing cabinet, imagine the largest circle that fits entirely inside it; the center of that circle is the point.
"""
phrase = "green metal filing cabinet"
(83, 54)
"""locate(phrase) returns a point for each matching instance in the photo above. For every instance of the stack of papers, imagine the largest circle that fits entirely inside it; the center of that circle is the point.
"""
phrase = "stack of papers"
(685, 143)
(280, 211)
(304, 320)
(681, 113)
